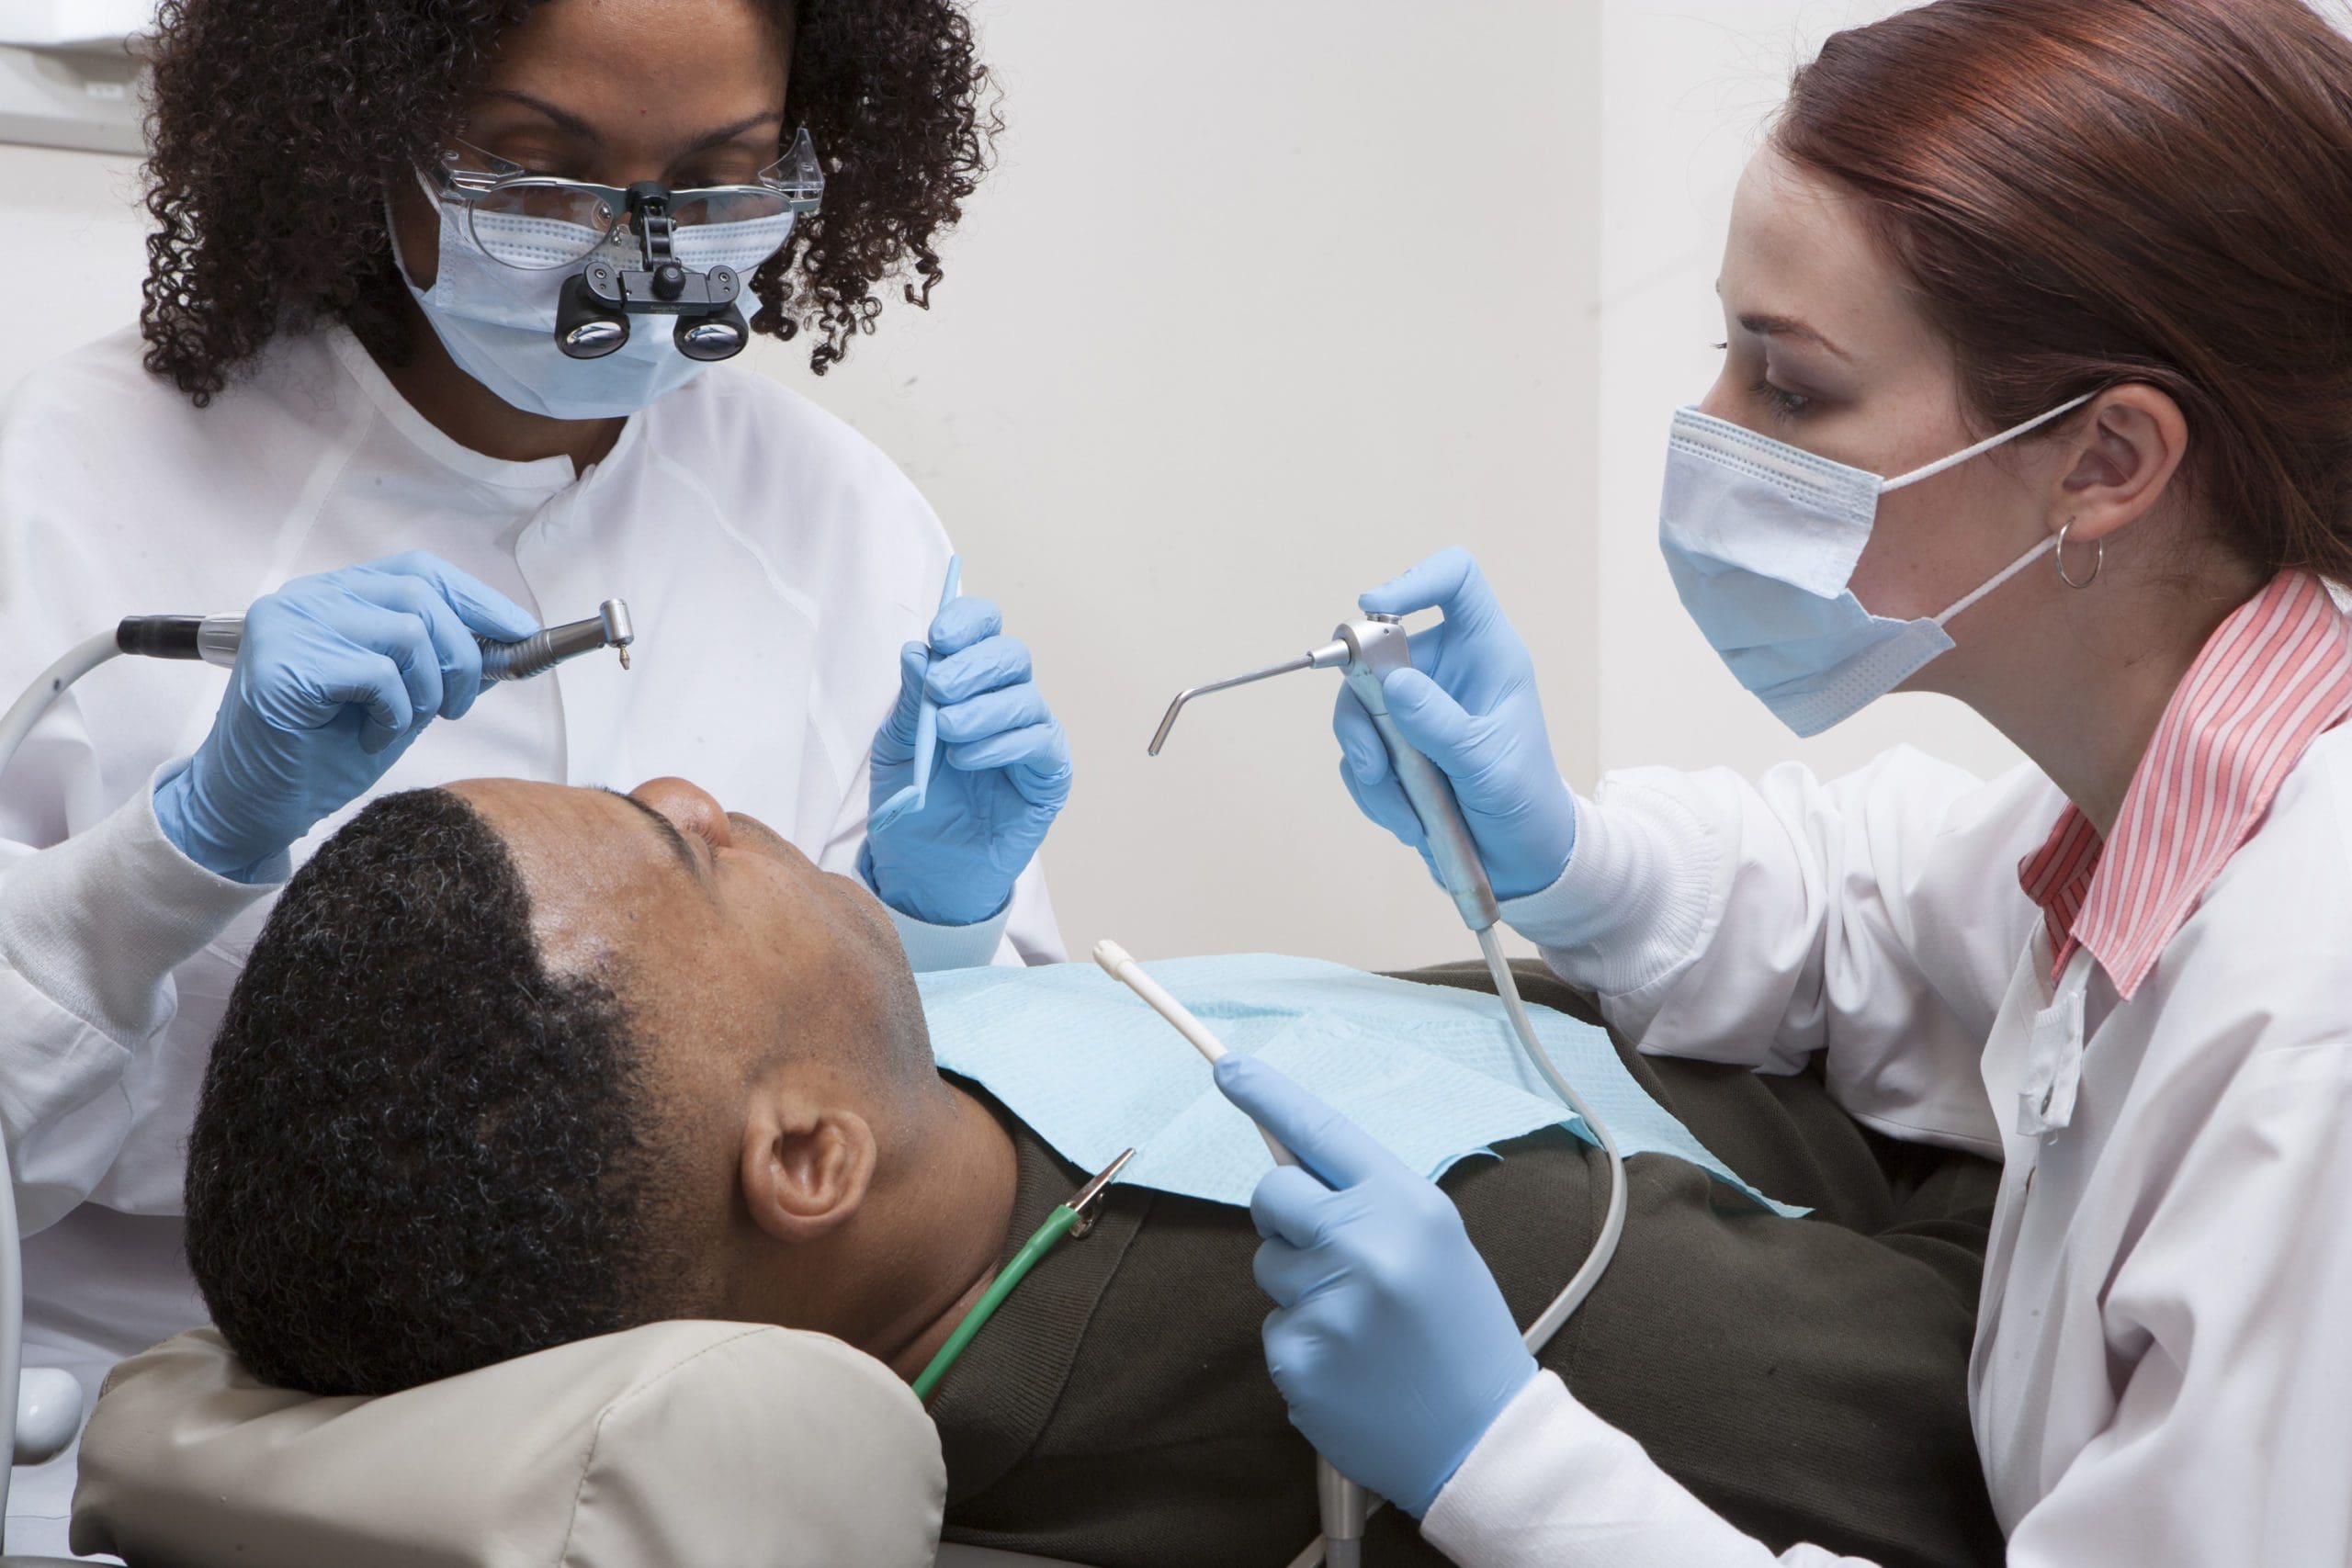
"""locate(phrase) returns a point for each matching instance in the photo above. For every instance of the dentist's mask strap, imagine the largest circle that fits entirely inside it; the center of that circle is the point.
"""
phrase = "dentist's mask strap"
(1762, 538)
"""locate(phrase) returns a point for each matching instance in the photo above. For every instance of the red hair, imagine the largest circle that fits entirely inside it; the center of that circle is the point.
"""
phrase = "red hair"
(2093, 192)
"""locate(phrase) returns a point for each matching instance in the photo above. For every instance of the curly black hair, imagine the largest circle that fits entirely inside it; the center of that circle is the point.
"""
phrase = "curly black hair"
(277, 125)
(417, 1152)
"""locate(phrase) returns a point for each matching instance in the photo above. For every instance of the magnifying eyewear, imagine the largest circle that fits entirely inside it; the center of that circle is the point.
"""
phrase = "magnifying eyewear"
(541, 221)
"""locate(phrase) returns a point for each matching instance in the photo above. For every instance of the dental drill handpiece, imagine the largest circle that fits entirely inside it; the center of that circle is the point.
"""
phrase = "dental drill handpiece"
(215, 639)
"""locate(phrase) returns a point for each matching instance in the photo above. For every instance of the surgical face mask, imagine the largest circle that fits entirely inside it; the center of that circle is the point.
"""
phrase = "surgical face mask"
(1762, 538)
(498, 321)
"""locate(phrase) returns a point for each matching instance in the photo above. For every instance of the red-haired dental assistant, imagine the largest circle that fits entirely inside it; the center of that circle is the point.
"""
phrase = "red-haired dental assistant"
(2073, 277)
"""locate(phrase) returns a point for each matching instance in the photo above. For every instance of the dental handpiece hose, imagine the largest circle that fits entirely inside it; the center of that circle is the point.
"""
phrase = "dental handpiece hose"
(1377, 646)
(1366, 652)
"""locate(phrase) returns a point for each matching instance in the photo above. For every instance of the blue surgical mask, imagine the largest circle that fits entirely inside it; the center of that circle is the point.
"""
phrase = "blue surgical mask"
(498, 324)
(1762, 538)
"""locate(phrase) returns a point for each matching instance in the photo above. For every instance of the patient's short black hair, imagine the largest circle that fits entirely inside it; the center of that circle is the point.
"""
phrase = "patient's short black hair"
(418, 1151)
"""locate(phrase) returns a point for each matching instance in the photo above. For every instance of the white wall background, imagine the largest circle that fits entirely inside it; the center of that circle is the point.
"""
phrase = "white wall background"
(1264, 302)
(76, 247)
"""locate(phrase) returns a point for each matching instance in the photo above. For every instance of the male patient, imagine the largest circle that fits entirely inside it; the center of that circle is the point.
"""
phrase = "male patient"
(516, 1064)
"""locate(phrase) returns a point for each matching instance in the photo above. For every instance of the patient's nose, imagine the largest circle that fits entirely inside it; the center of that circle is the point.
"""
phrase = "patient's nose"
(690, 806)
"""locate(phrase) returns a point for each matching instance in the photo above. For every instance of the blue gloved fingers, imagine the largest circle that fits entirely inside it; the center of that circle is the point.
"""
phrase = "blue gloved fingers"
(1475, 653)
(1359, 743)
(1294, 1275)
(378, 684)
(894, 743)
(1364, 768)
(1006, 778)
(482, 608)
(407, 640)
(993, 713)
(1329, 1144)
(964, 622)
(1449, 580)
(1304, 1346)
(1437, 725)
(990, 664)
(455, 652)
(1288, 1206)
(1387, 806)
(1035, 750)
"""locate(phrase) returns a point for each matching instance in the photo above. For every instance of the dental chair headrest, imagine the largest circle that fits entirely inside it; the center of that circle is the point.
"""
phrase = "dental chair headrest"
(705, 1443)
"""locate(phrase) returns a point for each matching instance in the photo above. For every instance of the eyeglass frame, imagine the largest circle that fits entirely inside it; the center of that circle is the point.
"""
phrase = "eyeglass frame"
(803, 190)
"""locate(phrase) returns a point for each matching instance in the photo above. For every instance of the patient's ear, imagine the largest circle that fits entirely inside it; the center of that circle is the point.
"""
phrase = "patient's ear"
(807, 1164)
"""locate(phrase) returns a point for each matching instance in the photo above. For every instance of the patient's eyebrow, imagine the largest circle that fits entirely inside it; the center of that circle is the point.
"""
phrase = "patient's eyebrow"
(668, 831)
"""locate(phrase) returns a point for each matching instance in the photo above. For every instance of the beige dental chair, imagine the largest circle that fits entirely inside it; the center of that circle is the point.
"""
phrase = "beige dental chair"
(678, 1445)
(704, 1445)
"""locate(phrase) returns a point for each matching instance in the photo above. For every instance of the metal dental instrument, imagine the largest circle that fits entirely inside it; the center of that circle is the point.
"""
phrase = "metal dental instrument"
(1367, 651)
(914, 795)
(1325, 658)
(1074, 1217)
(1082, 1202)
(215, 639)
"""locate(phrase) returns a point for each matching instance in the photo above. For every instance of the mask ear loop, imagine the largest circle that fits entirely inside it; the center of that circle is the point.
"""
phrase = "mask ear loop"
(1957, 458)
(443, 221)
(2048, 544)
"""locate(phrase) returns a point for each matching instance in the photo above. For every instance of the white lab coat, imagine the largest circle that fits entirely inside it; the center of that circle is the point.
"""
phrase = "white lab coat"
(773, 560)
(2162, 1374)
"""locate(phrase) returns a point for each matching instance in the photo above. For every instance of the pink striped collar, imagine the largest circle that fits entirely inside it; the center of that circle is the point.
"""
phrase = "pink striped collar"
(2275, 676)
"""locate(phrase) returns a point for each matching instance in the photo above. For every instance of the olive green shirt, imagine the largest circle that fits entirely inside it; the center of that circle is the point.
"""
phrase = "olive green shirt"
(1806, 1378)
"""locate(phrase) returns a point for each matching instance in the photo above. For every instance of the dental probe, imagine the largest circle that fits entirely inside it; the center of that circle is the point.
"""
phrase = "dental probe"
(1122, 966)
(1345, 1507)
(914, 795)
(216, 638)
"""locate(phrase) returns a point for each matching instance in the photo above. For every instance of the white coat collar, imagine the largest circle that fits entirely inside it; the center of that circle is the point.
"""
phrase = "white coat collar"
(546, 475)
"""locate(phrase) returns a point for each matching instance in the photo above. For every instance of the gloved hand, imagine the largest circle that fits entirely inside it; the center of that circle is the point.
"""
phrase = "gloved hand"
(338, 674)
(1391, 1341)
(1004, 776)
(1469, 703)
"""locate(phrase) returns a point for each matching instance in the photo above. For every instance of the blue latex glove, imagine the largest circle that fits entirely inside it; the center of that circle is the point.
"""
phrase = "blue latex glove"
(337, 675)
(1005, 772)
(1469, 703)
(1391, 1341)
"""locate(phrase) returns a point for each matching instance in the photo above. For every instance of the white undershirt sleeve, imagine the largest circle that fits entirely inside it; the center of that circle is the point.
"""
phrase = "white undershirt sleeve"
(90, 932)
(1876, 919)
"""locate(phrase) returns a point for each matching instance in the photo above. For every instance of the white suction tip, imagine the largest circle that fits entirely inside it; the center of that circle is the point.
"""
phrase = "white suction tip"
(1109, 954)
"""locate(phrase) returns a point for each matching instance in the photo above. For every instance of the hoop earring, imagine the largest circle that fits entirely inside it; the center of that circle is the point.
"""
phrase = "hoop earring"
(2097, 561)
